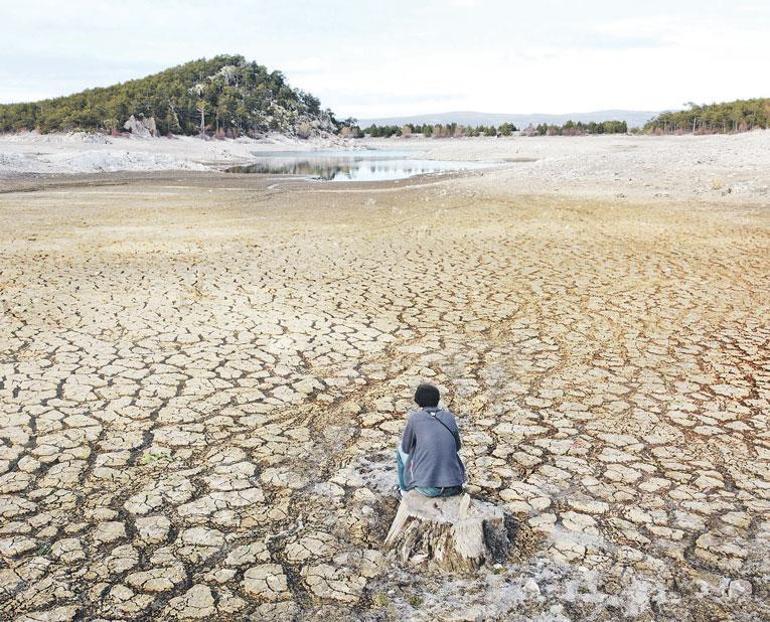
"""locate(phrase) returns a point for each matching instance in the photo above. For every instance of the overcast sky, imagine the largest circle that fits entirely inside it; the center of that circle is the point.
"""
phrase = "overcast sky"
(391, 57)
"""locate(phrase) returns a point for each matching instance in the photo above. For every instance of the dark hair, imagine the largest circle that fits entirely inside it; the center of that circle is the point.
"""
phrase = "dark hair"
(427, 395)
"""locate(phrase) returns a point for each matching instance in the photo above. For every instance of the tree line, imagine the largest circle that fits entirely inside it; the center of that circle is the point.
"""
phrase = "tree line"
(439, 130)
(741, 115)
(571, 128)
(228, 96)
(727, 117)
(225, 95)
(454, 130)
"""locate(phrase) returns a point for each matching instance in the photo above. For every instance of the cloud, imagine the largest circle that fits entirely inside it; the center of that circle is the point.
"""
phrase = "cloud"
(402, 57)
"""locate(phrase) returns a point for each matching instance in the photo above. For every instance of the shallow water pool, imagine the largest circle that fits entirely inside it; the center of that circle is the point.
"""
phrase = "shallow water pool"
(351, 165)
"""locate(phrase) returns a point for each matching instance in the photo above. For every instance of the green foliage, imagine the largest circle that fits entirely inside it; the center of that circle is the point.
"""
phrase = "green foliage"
(380, 599)
(383, 131)
(450, 130)
(43, 549)
(415, 600)
(453, 130)
(737, 116)
(570, 128)
(349, 128)
(150, 457)
(236, 96)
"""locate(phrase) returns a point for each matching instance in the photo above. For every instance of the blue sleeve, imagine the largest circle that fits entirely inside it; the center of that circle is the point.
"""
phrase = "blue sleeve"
(456, 434)
(408, 440)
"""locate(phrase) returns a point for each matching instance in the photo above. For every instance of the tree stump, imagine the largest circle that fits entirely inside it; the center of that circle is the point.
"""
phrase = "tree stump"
(450, 533)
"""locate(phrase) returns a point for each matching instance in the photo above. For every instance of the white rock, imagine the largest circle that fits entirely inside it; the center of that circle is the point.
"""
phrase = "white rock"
(739, 588)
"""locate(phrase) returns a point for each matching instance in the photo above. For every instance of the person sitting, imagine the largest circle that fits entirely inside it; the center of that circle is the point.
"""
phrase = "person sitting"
(427, 458)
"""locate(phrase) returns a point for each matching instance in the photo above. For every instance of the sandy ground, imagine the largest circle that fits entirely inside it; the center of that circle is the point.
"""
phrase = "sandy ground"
(710, 169)
(203, 376)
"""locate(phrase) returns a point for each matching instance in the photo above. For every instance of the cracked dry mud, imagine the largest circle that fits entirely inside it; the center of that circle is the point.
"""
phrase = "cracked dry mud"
(203, 378)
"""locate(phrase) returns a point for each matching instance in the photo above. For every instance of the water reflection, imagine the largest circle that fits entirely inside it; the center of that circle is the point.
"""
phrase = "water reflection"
(347, 166)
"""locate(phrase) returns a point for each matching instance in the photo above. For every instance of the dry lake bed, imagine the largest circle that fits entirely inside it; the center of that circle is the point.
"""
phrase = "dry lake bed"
(203, 377)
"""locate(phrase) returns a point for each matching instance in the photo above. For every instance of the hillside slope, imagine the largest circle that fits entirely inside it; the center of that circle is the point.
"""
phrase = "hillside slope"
(224, 94)
(741, 115)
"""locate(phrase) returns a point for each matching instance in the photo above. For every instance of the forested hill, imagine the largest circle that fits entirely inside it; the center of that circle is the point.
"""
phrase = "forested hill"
(225, 95)
(737, 116)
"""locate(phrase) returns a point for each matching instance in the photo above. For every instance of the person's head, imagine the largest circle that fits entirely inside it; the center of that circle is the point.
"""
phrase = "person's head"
(427, 395)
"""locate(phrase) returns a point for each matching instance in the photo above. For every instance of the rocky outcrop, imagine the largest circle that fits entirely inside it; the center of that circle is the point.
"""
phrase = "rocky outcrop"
(141, 128)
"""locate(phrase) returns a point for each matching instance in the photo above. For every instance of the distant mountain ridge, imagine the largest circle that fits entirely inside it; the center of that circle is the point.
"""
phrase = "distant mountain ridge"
(634, 118)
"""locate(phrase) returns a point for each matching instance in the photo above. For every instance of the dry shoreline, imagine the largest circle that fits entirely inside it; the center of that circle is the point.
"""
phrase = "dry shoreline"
(732, 169)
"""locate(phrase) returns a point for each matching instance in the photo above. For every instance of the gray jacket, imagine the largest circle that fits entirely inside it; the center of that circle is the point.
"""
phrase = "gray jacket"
(432, 449)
